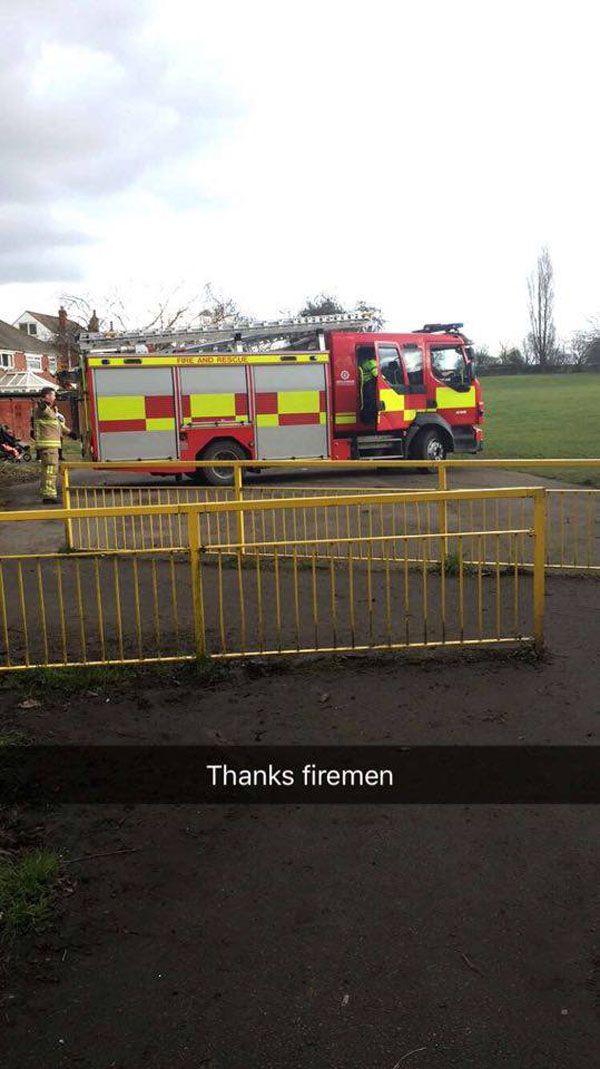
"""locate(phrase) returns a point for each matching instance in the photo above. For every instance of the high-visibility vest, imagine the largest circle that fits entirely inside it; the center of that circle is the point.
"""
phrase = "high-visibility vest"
(367, 370)
(47, 427)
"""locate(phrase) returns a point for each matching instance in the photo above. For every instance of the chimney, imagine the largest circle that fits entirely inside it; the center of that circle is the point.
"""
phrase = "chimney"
(62, 320)
(94, 324)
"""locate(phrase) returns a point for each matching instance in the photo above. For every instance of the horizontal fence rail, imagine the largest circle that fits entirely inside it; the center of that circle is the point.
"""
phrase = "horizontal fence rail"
(246, 595)
(573, 515)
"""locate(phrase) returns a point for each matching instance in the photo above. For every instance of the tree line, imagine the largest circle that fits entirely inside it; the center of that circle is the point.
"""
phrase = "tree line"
(182, 308)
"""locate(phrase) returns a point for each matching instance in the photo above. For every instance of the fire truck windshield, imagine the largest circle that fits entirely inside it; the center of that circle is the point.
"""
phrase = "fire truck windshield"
(449, 365)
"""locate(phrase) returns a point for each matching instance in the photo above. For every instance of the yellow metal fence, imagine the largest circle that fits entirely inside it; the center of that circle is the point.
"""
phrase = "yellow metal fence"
(572, 533)
(247, 595)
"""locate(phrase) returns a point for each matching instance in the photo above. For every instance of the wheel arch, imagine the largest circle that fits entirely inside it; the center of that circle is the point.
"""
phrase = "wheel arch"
(222, 439)
(424, 421)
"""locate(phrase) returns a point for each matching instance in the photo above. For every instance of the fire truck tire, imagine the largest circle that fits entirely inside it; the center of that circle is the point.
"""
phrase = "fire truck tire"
(225, 449)
(430, 445)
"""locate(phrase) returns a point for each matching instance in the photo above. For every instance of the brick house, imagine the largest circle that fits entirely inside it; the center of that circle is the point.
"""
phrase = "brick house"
(26, 366)
(59, 332)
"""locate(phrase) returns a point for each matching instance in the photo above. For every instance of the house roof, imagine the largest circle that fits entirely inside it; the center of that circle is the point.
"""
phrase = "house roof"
(52, 322)
(22, 382)
(18, 341)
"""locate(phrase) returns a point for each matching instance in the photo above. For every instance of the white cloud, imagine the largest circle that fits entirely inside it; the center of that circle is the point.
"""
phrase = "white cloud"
(414, 155)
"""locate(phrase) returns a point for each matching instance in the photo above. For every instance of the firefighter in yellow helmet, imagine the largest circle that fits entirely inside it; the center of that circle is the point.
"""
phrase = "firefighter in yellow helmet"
(49, 428)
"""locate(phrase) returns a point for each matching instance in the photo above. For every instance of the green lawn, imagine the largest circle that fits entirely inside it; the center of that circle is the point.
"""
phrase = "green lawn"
(544, 416)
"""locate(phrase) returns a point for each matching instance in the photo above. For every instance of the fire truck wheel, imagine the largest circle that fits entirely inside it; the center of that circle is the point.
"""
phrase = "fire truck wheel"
(224, 450)
(430, 445)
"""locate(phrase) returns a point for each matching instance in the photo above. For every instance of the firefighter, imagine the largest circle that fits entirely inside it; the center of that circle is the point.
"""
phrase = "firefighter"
(48, 432)
(367, 377)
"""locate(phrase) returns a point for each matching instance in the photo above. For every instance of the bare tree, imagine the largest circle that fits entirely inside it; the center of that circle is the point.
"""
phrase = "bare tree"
(540, 288)
(155, 308)
(219, 310)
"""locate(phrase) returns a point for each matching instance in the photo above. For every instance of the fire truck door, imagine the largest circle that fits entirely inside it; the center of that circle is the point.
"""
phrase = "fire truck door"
(291, 411)
(135, 413)
(392, 387)
(402, 390)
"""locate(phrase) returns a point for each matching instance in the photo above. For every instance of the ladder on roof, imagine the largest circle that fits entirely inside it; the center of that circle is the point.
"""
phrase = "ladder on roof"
(228, 337)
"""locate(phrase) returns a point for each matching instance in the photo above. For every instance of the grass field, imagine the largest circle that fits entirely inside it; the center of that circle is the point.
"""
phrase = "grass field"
(544, 416)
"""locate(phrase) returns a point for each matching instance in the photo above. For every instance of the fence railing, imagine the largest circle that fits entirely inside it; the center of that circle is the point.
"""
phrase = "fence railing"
(573, 514)
(243, 595)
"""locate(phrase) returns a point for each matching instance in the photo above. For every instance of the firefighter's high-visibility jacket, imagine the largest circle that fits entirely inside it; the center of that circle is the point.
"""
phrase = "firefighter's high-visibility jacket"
(48, 429)
(367, 371)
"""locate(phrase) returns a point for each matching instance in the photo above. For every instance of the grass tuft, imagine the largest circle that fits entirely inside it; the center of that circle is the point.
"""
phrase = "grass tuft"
(27, 892)
(66, 682)
(12, 738)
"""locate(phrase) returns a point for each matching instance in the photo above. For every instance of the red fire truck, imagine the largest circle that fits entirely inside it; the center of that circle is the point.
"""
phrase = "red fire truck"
(222, 395)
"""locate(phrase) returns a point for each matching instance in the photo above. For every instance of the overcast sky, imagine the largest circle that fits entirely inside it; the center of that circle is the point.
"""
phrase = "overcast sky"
(412, 155)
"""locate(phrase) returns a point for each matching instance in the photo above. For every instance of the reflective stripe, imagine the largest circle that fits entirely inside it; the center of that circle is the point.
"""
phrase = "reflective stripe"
(160, 424)
(345, 417)
(397, 402)
(207, 359)
(125, 407)
(298, 401)
(446, 397)
(394, 402)
(213, 405)
(291, 408)
(136, 413)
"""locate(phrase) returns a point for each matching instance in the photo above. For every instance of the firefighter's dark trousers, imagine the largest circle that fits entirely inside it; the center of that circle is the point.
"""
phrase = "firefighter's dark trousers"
(49, 472)
(369, 402)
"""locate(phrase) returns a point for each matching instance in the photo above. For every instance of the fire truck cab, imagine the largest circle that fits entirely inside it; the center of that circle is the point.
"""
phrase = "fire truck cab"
(428, 400)
(425, 401)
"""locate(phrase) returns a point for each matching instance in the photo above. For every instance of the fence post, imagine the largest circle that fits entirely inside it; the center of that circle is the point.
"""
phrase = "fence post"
(237, 482)
(67, 503)
(196, 579)
(539, 566)
(443, 511)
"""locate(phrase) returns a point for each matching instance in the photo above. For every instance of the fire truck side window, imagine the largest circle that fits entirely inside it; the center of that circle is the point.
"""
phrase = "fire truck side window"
(413, 362)
(391, 368)
(448, 365)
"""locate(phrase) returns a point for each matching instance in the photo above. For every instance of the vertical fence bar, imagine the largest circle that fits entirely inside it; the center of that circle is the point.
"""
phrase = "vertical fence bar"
(333, 606)
(66, 481)
(220, 598)
(137, 606)
(196, 579)
(23, 611)
(4, 616)
(296, 595)
(277, 596)
(238, 491)
(98, 604)
(42, 610)
(539, 566)
(80, 611)
(118, 615)
(61, 612)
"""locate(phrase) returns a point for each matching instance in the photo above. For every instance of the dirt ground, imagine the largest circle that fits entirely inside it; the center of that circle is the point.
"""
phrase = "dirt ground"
(331, 937)
(316, 936)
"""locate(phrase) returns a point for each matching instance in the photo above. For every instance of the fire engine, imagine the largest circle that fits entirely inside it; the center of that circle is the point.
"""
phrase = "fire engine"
(226, 393)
